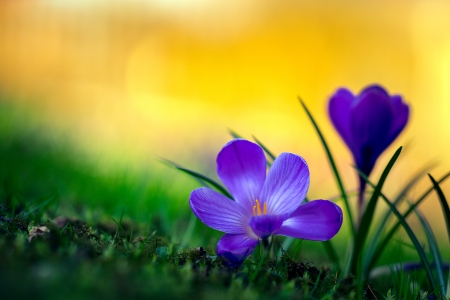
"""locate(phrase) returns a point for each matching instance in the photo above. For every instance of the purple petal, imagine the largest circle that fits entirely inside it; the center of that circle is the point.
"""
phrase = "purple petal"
(263, 226)
(218, 211)
(317, 220)
(339, 112)
(241, 165)
(371, 118)
(373, 90)
(234, 248)
(401, 115)
(370, 122)
(286, 185)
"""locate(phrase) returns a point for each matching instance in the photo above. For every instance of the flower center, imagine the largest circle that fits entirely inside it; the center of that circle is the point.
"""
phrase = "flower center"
(257, 209)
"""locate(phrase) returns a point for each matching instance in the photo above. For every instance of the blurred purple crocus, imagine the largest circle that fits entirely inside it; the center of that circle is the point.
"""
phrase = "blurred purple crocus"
(264, 205)
(368, 123)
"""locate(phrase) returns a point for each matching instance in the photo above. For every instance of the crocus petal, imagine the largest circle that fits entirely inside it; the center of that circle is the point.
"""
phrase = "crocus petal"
(401, 115)
(263, 226)
(317, 220)
(241, 165)
(373, 91)
(371, 118)
(286, 185)
(234, 248)
(218, 211)
(339, 112)
(370, 122)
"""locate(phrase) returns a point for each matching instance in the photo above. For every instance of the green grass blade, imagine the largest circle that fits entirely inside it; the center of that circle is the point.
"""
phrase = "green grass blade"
(381, 227)
(411, 183)
(204, 180)
(369, 212)
(329, 248)
(212, 182)
(268, 152)
(410, 233)
(381, 246)
(119, 226)
(444, 204)
(434, 250)
(332, 254)
(39, 206)
(234, 134)
(286, 244)
(170, 163)
(189, 231)
(333, 167)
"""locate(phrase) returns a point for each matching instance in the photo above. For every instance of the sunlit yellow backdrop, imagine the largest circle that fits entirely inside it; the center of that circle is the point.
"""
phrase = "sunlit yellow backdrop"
(168, 77)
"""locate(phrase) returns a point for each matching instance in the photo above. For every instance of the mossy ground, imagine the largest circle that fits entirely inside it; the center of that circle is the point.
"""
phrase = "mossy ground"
(69, 259)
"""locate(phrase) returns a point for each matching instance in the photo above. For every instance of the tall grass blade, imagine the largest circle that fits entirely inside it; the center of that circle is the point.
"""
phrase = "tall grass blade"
(444, 204)
(268, 152)
(333, 167)
(410, 233)
(204, 180)
(332, 254)
(234, 134)
(286, 244)
(39, 206)
(119, 226)
(329, 248)
(189, 231)
(434, 249)
(212, 182)
(381, 227)
(369, 212)
(382, 245)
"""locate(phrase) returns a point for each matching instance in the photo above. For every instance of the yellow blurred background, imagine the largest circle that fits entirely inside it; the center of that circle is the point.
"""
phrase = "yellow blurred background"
(140, 79)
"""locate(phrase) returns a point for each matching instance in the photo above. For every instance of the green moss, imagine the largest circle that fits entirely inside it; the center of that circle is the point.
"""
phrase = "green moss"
(72, 254)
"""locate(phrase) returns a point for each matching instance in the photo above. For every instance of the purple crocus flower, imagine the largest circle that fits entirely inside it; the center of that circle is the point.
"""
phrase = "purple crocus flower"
(368, 123)
(264, 205)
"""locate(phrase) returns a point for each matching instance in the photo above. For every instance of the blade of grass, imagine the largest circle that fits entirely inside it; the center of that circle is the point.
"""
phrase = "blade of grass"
(234, 134)
(369, 212)
(316, 283)
(131, 235)
(189, 230)
(409, 231)
(204, 180)
(286, 244)
(170, 163)
(268, 152)
(118, 225)
(329, 248)
(40, 205)
(212, 182)
(381, 246)
(332, 254)
(381, 227)
(64, 228)
(258, 267)
(434, 249)
(444, 204)
(14, 202)
(333, 167)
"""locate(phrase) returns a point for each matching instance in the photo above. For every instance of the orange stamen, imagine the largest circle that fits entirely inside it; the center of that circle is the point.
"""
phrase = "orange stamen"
(257, 211)
(258, 207)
